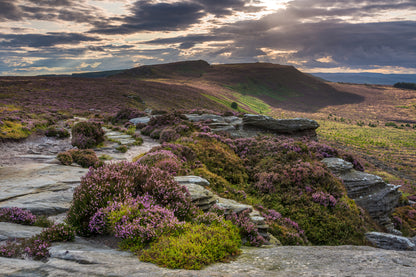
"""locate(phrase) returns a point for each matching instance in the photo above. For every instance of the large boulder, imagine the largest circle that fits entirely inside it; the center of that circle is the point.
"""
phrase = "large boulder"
(251, 125)
(294, 126)
(390, 242)
(369, 191)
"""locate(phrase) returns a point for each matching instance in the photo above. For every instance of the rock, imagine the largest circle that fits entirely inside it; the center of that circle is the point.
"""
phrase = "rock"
(204, 117)
(295, 126)
(137, 120)
(231, 206)
(44, 189)
(190, 179)
(85, 258)
(369, 191)
(337, 165)
(251, 125)
(17, 231)
(390, 242)
(201, 197)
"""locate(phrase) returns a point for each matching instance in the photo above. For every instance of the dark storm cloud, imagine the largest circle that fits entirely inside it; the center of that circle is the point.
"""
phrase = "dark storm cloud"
(156, 17)
(8, 10)
(353, 45)
(38, 40)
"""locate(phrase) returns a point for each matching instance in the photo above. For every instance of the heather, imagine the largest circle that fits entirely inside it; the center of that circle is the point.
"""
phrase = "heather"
(83, 157)
(87, 135)
(404, 219)
(119, 182)
(281, 174)
(37, 246)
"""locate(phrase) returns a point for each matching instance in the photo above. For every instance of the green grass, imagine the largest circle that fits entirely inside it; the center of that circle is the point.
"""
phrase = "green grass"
(368, 137)
(253, 103)
(225, 102)
(254, 88)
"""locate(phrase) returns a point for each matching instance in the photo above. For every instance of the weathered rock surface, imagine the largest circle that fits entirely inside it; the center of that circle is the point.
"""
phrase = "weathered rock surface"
(295, 126)
(17, 231)
(41, 188)
(390, 242)
(205, 199)
(369, 191)
(144, 120)
(88, 258)
(251, 125)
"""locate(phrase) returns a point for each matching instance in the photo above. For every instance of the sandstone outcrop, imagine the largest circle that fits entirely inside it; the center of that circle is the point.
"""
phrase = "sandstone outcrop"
(205, 199)
(369, 191)
(251, 125)
(390, 241)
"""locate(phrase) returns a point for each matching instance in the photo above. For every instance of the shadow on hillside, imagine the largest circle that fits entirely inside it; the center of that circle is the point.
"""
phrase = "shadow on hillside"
(311, 102)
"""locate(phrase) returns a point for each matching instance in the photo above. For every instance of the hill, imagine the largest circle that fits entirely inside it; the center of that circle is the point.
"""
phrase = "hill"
(277, 85)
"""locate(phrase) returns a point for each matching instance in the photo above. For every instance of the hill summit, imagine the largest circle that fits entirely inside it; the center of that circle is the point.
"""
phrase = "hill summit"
(277, 85)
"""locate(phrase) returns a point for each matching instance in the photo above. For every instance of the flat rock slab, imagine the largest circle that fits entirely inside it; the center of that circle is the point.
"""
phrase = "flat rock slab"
(83, 258)
(191, 179)
(17, 231)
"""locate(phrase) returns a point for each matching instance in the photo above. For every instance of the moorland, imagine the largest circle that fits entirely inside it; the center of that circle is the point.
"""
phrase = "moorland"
(374, 124)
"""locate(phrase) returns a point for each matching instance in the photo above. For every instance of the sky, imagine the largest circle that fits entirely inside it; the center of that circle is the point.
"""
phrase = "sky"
(65, 36)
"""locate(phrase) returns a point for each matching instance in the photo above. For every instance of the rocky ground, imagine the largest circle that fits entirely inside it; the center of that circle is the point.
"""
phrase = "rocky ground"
(31, 178)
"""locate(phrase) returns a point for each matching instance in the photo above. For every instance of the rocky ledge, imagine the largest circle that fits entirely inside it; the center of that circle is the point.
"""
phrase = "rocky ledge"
(369, 191)
(251, 125)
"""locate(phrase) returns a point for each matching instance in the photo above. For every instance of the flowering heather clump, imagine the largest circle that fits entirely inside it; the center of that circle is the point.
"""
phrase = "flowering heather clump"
(84, 157)
(357, 165)
(284, 229)
(325, 199)
(404, 219)
(57, 232)
(248, 229)
(140, 220)
(87, 135)
(169, 134)
(162, 159)
(126, 114)
(37, 249)
(120, 181)
(9, 250)
(17, 215)
(65, 158)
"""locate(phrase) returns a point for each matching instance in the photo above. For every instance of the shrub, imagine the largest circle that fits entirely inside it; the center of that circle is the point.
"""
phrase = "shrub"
(284, 229)
(84, 157)
(139, 221)
(57, 232)
(65, 158)
(195, 247)
(126, 114)
(234, 105)
(87, 135)
(247, 228)
(36, 248)
(122, 148)
(404, 219)
(119, 181)
(162, 159)
(54, 131)
(17, 215)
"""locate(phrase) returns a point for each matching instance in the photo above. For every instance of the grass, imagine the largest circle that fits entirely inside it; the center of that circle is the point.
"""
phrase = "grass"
(251, 87)
(392, 146)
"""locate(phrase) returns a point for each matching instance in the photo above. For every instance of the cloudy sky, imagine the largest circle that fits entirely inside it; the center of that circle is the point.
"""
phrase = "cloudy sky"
(62, 36)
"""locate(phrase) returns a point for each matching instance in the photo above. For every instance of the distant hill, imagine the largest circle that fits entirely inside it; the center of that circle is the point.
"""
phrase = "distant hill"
(277, 85)
(367, 78)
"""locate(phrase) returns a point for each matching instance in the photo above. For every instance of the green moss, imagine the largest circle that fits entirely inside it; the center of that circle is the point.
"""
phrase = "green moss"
(13, 130)
(197, 246)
